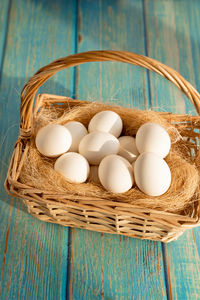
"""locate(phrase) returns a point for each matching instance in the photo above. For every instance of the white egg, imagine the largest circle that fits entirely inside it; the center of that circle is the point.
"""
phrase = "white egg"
(128, 148)
(152, 174)
(78, 131)
(73, 166)
(53, 140)
(152, 137)
(106, 121)
(116, 174)
(96, 145)
(93, 176)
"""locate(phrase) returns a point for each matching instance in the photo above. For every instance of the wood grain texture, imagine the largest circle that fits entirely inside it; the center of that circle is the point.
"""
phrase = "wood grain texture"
(105, 266)
(33, 254)
(114, 267)
(106, 25)
(168, 40)
(4, 15)
(176, 21)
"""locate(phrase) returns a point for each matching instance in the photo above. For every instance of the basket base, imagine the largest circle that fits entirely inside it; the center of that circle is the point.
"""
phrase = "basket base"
(70, 219)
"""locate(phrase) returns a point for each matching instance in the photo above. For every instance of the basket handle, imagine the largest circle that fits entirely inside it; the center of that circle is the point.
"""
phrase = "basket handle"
(42, 75)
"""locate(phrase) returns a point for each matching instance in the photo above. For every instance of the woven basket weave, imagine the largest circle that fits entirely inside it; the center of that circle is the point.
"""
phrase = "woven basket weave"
(99, 214)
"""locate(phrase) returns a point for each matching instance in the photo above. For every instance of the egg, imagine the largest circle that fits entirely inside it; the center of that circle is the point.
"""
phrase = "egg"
(152, 174)
(116, 174)
(93, 176)
(78, 131)
(73, 166)
(96, 145)
(53, 140)
(106, 121)
(152, 137)
(128, 148)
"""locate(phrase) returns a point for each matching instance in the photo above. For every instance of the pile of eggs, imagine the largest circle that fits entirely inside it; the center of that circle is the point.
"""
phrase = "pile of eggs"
(101, 155)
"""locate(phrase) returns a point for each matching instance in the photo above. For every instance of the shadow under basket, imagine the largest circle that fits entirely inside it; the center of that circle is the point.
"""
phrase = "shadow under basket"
(100, 214)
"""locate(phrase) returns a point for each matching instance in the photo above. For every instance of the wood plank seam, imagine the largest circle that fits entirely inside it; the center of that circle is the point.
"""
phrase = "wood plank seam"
(5, 39)
(146, 53)
(74, 71)
(166, 275)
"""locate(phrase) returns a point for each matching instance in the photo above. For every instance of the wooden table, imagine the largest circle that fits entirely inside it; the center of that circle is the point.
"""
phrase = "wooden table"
(46, 261)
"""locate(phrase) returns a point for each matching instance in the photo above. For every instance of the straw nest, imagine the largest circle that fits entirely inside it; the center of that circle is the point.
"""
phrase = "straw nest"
(38, 170)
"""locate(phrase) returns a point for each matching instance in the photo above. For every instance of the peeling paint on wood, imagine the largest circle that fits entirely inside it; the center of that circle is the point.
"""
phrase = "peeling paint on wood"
(34, 255)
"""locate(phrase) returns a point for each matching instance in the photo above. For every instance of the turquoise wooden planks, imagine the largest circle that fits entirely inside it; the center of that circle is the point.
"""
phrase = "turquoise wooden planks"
(114, 267)
(33, 254)
(183, 266)
(177, 22)
(168, 41)
(104, 266)
(194, 41)
(4, 15)
(110, 28)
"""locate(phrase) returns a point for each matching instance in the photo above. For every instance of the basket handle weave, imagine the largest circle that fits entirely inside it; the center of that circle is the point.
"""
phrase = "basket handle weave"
(42, 75)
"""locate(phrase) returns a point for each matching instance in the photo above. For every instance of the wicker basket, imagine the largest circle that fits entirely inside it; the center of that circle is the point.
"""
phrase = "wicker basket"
(99, 214)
